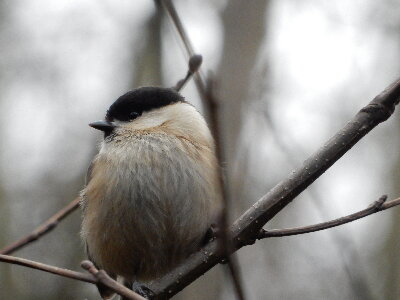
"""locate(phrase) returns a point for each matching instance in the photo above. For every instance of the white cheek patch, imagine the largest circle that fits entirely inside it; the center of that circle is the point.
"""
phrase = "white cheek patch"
(149, 119)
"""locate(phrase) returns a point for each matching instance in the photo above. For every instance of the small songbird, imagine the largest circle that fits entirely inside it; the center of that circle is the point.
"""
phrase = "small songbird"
(153, 189)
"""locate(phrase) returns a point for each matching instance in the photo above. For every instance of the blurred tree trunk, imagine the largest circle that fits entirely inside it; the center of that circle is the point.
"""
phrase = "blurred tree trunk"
(391, 251)
(147, 65)
(5, 275)
(6, 286)
(244, 33)
(388, 256)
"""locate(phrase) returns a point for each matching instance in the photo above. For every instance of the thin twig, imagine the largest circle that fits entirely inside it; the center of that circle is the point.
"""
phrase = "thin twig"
(47, 268)
(377, 206)
(46, 227)
(95, 276)
(170, 8)
(198, 78)
(245, 230)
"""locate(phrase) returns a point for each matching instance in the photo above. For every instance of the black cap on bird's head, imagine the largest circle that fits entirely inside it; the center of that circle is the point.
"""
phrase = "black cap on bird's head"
(132, 104)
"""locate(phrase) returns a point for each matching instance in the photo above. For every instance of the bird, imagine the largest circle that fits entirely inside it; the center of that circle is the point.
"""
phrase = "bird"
(153, 190)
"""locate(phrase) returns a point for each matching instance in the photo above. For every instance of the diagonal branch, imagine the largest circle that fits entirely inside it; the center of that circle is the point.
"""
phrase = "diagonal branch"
(245, 230)
(377, 111)
(375, 207)
(46, 227)
(170, 8)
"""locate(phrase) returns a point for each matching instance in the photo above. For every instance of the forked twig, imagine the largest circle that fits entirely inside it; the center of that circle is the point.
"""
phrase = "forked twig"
(95, 276)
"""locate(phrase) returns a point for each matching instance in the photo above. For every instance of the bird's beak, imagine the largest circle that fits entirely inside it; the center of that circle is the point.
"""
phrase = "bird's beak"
(103, 126)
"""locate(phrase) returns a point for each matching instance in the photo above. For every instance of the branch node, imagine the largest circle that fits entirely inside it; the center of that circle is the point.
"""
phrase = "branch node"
(378, 203)
(89, 266)
(381, 112)
(195, 63)
(193, 66)
(262, 234)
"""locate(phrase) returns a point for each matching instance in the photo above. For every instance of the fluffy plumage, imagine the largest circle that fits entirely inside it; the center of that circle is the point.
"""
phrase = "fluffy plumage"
(153, 189)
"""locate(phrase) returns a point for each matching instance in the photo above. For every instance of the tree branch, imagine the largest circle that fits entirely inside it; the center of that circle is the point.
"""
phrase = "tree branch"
(375, 207)
(245, 230)
(46, 227)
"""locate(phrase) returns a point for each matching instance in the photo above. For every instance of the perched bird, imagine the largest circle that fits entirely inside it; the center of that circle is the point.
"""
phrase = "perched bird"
(153, 189)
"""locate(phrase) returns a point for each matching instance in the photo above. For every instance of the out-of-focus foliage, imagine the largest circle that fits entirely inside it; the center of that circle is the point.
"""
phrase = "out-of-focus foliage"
(288, 75)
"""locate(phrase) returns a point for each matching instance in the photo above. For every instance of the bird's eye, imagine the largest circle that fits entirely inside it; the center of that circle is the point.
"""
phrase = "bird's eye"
(134, 115)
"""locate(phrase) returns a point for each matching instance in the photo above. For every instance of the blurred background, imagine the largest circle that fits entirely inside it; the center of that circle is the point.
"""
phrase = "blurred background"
(288, 74)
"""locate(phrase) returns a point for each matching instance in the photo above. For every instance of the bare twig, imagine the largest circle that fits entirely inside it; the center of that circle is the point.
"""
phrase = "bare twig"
(95, 276)
(245, 230)
(200, 83)
(47, 268)
(377, 206)
(103, 278)
(46, 227)
(170, 8)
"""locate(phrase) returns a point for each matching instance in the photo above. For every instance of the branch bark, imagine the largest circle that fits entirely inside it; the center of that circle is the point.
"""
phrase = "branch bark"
(245, 230)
